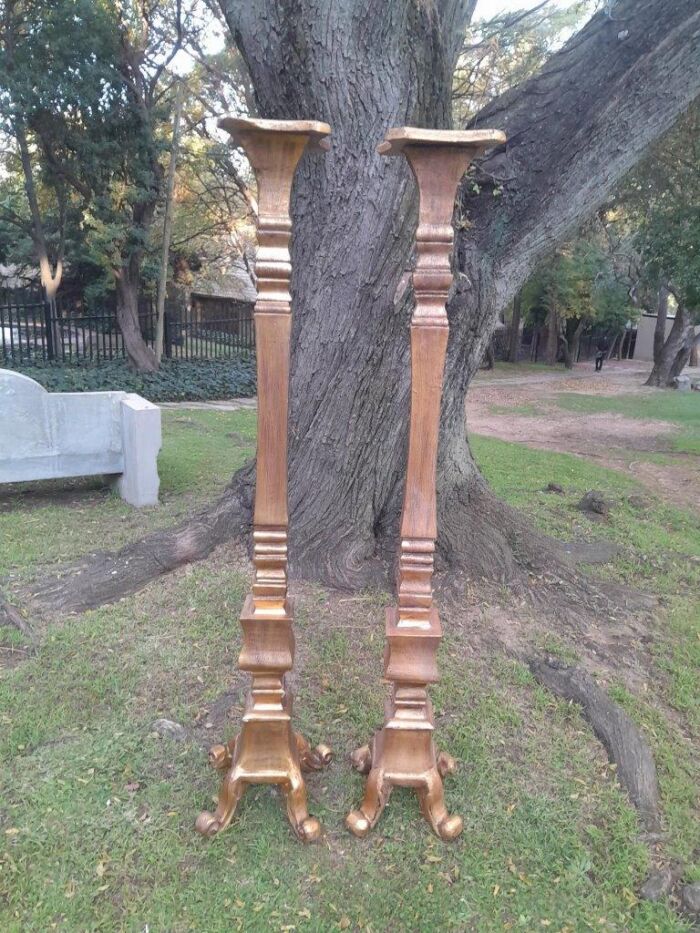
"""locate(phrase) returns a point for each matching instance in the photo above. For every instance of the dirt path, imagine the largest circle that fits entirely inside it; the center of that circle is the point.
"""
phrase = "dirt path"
(609, 439)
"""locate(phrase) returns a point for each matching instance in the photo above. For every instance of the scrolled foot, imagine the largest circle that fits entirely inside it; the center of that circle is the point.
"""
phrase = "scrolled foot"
(432, 804)
(450, 828)
(220, 757)
(377, 792)
(358, 824)
(361, 759)
(207, 824)
(312, 759)
(446, 764)
(309, 829)
(306, 828)
(231, 791)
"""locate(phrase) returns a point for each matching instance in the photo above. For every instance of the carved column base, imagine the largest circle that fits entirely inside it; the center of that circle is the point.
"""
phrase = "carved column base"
(267, 750)
(403, 755)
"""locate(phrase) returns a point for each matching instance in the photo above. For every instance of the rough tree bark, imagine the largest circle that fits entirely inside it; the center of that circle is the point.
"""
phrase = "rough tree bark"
(573, 130)
(514, 335)
(127, 282)
(622, 739)
(674, 354)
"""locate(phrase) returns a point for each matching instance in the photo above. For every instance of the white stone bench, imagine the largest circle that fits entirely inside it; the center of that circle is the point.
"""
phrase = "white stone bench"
(48, 435)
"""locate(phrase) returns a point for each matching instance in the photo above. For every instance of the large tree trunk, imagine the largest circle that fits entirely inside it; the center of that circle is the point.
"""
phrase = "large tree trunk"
(139, 354)
(514, 333)
(661, 318)
(571, 340)
(573, 131)
(675, 352)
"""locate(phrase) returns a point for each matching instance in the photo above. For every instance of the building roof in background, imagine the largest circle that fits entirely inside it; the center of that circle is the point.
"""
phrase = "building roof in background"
(234, 283)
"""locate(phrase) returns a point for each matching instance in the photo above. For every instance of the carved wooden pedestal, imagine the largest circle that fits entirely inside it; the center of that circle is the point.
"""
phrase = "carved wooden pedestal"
(403, 752)
(267, 750)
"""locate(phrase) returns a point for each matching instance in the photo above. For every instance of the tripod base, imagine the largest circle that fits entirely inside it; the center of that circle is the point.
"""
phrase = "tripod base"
(267, 751)
(403, 757)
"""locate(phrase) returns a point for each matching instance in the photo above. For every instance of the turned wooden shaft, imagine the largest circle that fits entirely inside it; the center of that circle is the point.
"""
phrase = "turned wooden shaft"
(437, 171)
(274, 152)
(267, 750)
(274, 170)
(403, 752)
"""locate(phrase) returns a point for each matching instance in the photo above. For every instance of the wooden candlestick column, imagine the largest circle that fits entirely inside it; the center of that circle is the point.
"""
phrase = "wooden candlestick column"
(403, 752)
(267, 750)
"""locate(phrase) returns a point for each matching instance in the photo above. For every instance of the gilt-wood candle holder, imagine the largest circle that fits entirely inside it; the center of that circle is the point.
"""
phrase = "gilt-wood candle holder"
(267, 750)
(403, 752)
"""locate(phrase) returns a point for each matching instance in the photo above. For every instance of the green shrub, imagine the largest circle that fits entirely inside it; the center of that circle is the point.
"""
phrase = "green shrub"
(177, 380)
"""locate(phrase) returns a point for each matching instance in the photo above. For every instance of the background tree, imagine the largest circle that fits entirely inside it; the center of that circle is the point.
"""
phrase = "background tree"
(652, 226)
(88, 91)
(668, 241)
(49, 85)
(574, 289)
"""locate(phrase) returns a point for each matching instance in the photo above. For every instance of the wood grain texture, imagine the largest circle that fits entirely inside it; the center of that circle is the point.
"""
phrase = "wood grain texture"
(403, 751)
(267, 750)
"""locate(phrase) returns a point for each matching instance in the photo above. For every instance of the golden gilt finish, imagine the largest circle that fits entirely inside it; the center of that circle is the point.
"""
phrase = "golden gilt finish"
(403, 752)
(267, 750)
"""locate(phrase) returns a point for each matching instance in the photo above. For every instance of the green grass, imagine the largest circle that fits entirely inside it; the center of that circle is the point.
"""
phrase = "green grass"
(96, 813)
(659, 552)
(512, 370)
(681, 408)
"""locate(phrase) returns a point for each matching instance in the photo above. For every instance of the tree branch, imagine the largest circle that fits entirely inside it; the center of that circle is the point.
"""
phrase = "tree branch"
(580, 124)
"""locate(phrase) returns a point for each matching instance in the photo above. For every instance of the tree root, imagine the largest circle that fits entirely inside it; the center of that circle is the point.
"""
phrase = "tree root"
(622, 739)
(11, 616)
(481, 537)
(104, 577)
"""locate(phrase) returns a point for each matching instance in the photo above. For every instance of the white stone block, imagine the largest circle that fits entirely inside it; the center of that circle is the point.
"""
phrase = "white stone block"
(48, 435)
(141, 436)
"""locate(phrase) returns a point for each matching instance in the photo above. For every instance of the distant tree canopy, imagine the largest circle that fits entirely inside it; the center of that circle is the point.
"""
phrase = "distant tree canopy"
(86, 93)
(653, 229)
(665, 211)
(577, 287)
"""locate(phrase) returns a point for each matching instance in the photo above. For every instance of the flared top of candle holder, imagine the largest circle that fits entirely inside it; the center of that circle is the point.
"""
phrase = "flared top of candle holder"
(399, 137)
(314, 129)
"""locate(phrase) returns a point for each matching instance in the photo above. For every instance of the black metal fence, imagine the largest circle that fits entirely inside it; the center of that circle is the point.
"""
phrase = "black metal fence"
(33, 329)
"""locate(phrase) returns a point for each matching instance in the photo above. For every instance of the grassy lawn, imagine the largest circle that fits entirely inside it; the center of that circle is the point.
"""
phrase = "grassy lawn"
(512, 370)
(97, 812)
(681, 408)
